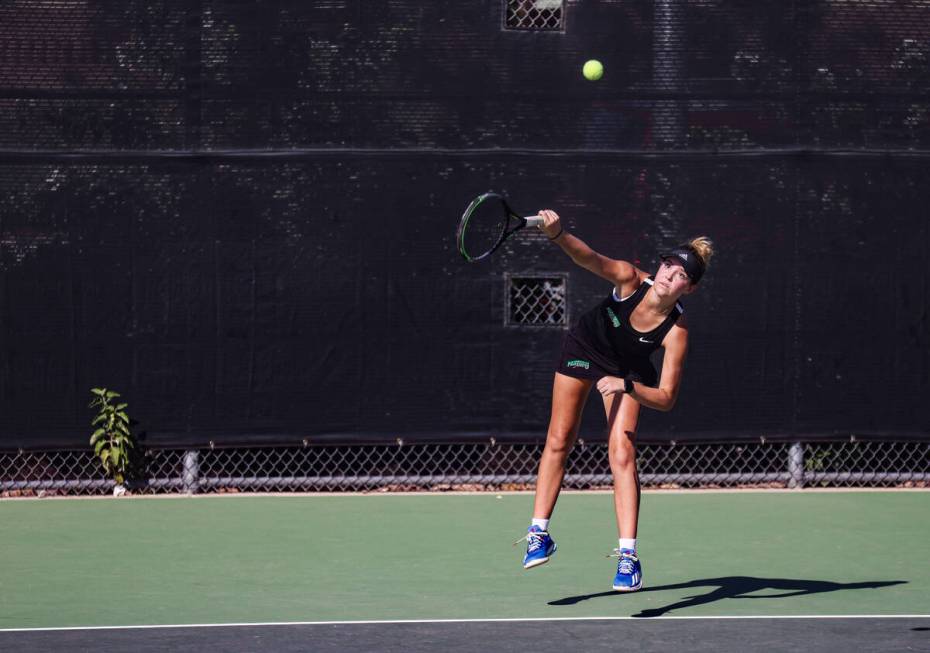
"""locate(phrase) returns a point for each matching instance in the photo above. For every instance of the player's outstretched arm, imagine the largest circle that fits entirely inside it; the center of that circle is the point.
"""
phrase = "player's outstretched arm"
(618, 272)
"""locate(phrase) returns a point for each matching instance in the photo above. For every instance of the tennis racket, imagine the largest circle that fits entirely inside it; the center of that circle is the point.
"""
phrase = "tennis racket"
(486, 224)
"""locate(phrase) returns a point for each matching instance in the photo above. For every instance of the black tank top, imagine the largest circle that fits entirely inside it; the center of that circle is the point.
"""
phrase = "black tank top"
(606, 328)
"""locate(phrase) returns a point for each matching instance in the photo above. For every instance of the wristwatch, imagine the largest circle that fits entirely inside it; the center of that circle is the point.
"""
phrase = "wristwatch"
(627, 386)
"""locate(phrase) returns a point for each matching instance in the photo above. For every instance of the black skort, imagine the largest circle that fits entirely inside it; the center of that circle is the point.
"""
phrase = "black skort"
(582, 362)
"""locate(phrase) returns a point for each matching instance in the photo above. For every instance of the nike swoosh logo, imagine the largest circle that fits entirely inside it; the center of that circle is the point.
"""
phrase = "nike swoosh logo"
(641, 339)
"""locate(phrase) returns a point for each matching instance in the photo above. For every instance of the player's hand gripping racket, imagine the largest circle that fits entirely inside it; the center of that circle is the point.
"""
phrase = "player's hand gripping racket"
(486, 224)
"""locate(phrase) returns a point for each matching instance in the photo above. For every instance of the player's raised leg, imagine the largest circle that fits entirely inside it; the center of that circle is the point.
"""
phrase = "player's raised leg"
(568, 398)
(622, 419)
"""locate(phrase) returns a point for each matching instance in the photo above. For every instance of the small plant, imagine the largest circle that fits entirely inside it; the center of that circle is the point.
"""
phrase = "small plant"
(816, 462)
(112, 440)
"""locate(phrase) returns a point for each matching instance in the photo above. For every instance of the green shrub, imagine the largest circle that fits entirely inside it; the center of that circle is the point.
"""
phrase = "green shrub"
(112, 440)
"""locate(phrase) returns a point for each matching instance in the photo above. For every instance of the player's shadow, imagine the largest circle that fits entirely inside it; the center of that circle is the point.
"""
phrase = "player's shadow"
(736, 587)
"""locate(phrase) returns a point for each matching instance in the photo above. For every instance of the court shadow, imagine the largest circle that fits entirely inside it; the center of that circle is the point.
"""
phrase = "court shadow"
(735, 587)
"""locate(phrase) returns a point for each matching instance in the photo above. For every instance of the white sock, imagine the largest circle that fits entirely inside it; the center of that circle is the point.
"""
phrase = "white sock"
(628, 543)
(542, 523)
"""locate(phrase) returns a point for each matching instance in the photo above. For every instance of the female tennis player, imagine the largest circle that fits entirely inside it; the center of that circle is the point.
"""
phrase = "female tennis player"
(609, 349)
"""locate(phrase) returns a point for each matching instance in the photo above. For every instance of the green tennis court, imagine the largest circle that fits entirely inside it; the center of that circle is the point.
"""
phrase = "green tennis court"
(363, 558)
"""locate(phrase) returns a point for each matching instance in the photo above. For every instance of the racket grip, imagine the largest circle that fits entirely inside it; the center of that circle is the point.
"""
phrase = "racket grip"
(533, 220)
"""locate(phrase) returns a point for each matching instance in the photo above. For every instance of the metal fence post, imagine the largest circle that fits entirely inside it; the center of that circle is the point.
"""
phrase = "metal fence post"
(796, 465)
(191, 474)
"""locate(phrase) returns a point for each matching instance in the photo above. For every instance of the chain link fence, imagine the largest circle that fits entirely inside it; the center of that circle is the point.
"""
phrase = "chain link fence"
(488, 466)
(536, 300)
(534, 14)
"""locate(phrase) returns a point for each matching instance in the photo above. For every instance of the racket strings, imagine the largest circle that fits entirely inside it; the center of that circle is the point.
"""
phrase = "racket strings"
(484, 228)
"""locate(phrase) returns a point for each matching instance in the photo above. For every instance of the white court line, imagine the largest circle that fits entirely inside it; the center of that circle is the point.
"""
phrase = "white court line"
(465, 621)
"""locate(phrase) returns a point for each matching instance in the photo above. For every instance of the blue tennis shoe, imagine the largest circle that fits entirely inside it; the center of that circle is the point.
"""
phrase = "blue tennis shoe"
(629, 576)
(539, 547)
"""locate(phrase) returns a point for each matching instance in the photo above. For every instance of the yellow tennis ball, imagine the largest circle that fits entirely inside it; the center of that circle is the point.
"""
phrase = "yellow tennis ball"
(593, 70)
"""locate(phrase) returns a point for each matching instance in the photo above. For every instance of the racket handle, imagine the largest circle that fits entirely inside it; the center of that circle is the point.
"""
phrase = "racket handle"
(533, 220)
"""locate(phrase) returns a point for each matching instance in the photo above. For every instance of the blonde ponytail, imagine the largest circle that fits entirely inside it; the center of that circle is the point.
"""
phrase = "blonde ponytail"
(703, 247)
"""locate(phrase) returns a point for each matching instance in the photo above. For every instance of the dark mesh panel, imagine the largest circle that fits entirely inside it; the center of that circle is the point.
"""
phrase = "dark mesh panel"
(240, 214)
